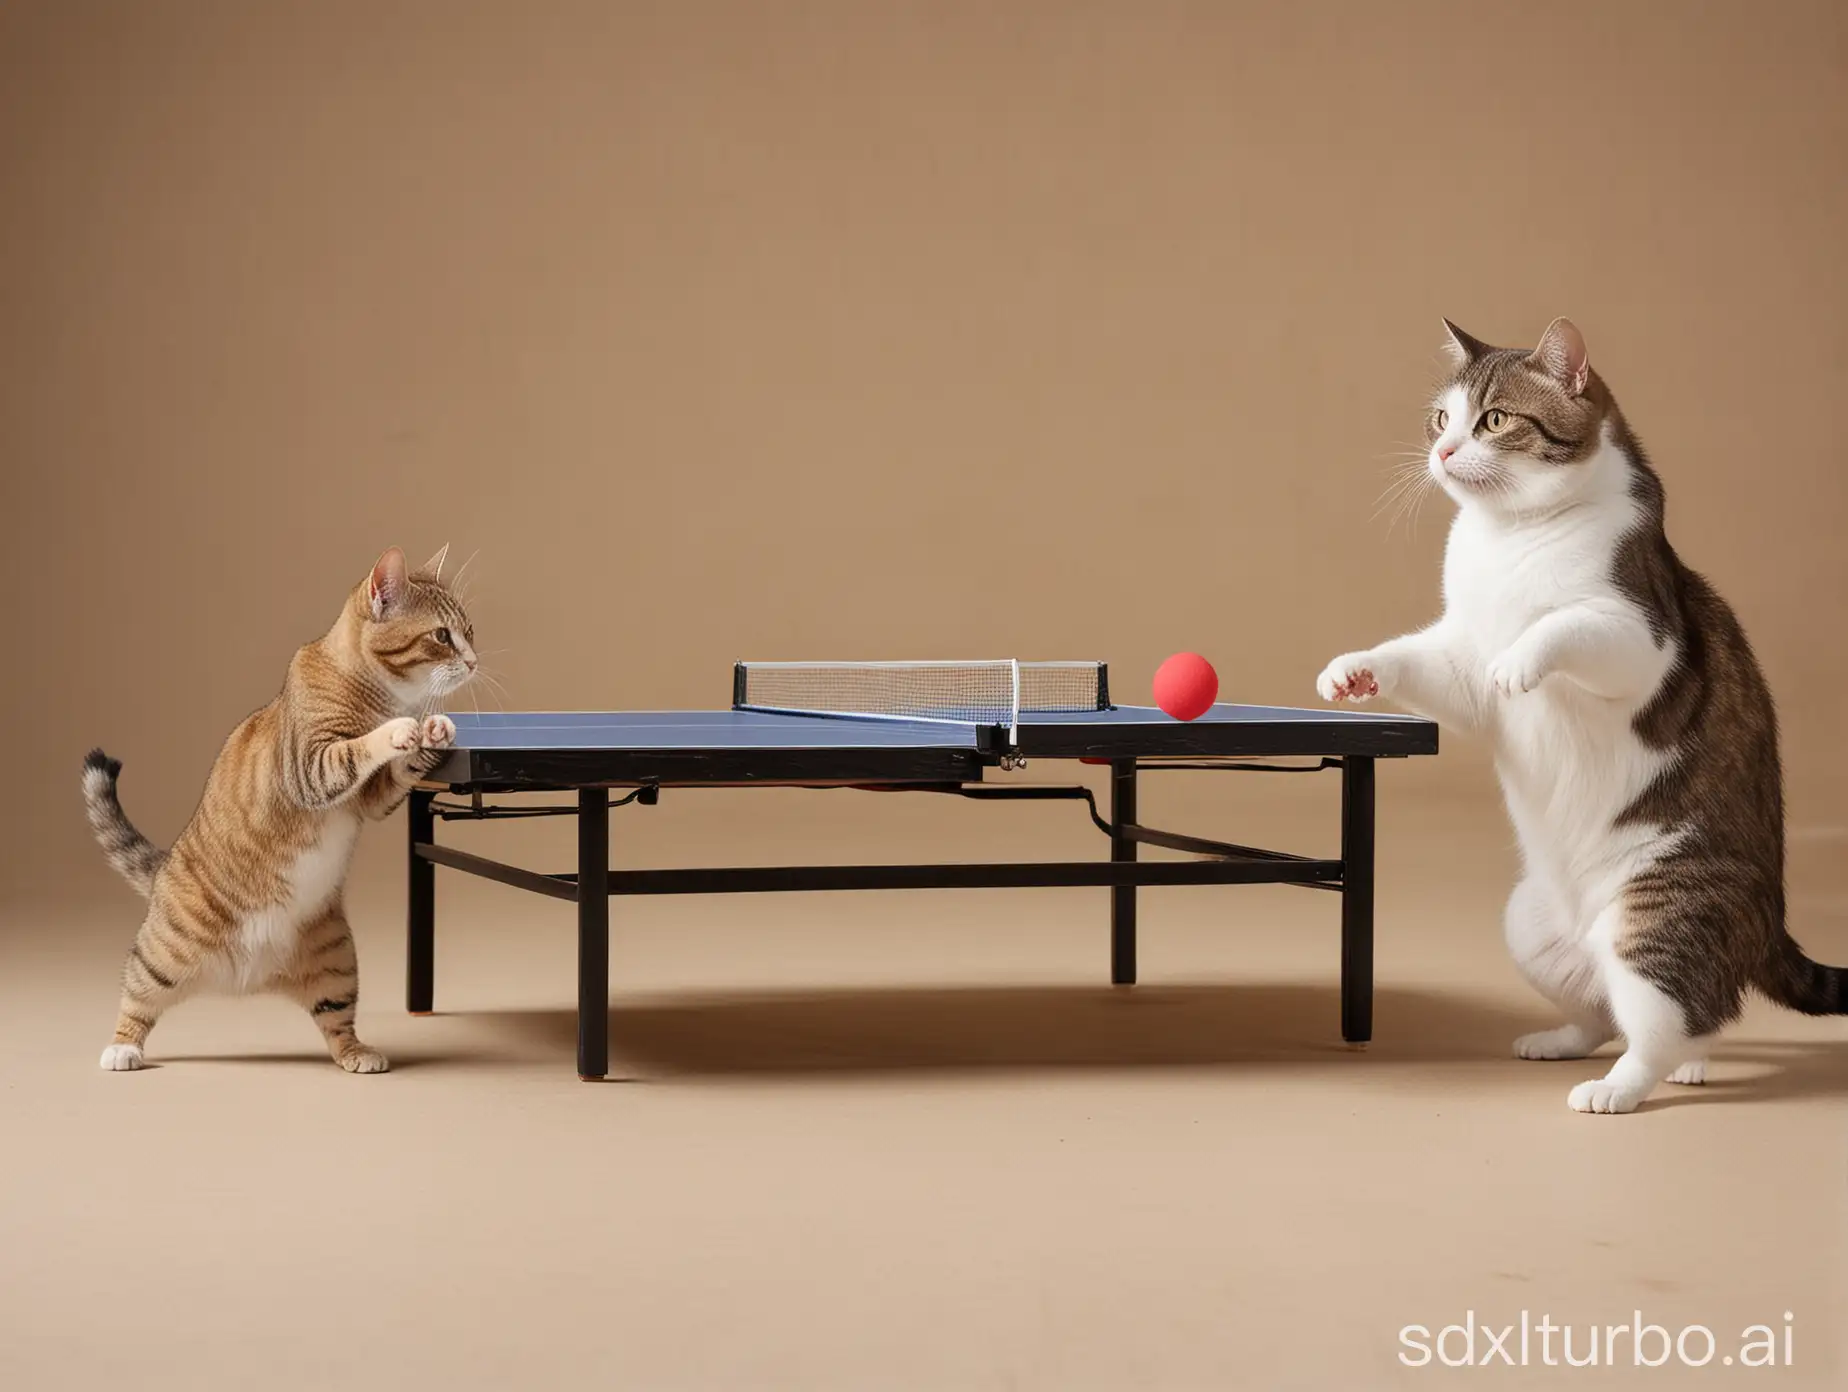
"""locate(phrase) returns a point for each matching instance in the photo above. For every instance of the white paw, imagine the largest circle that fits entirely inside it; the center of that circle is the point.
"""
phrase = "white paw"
(363, 1058)
(1348, 678)
(1690, 1074)
(1565, 1042)
(401, 735)
(1598, 1095)
(1514, 673)
(123, 1058)
(439, 732)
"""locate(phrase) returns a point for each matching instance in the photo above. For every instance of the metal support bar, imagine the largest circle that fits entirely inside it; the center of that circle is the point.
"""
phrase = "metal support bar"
(1182, 764)
(1118, 875)
(795, 879)
(1219, 850)
(648, 795)
(553, 886)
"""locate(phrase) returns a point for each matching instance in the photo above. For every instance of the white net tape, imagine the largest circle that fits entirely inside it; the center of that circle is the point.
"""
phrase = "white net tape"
(981, 693)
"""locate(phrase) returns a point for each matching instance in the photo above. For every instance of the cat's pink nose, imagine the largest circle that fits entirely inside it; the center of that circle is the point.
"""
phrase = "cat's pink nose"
(1444, 452)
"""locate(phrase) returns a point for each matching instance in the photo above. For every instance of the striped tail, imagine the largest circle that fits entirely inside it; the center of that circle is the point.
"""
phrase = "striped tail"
(134, 857)
(1796, 981)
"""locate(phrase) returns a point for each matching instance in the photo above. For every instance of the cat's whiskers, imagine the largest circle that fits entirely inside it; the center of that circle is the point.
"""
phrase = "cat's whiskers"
(1405, 495)
(1394, 498)
(494, 687)
(1412, 509)
(1401, 480)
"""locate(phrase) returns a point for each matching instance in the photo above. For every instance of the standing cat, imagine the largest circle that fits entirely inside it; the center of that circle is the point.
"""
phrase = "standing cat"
(249, 897)
(1634, 735)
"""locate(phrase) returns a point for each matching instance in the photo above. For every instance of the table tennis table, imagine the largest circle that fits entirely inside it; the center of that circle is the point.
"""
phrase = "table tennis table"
(933, 728)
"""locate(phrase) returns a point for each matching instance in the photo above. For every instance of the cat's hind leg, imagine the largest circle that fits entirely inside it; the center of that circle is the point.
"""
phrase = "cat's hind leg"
(1668, 1000)
(324, 979)
(1559, 966)
(162, 968)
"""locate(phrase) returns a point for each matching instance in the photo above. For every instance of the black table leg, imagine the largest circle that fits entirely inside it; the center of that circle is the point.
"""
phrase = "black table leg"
(593, 916)
(1122, 897)
(420, 912)
(1357, 900)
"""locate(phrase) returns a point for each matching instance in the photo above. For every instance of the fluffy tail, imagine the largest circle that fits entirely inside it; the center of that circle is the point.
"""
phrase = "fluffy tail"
(135, 858)
(1794, 980)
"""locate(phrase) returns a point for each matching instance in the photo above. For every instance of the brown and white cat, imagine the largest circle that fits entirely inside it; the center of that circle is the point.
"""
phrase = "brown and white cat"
(1634, 734)
(249, 898)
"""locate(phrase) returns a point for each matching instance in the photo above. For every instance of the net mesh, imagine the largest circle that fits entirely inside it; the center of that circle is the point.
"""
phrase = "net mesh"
(982, 693)
(1061, 686)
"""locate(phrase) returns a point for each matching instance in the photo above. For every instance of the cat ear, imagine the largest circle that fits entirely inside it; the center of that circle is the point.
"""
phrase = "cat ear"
(1562, 356)
(1461, 346)
(434, 566)
(386, 585)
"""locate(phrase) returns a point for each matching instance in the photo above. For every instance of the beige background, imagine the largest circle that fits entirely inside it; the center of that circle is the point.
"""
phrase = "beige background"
(879, 330)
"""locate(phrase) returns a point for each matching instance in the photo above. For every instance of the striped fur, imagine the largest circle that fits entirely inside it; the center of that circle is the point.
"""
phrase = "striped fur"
(130, 854)
(249, 898)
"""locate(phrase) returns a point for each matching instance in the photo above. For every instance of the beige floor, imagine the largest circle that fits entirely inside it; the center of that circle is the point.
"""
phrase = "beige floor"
(901, 1141)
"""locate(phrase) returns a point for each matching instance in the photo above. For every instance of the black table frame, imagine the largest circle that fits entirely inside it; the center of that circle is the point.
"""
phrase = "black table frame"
(594, 883)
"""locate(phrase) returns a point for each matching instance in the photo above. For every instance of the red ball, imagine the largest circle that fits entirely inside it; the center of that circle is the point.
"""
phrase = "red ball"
(1186, 686)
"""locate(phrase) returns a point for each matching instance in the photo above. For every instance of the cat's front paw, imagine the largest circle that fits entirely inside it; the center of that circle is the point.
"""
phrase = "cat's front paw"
(400, 736)
(439, 732)
(1351, 677)
(123, 1058)
(1602, 1095)
(1516, 672)
(362, 1058)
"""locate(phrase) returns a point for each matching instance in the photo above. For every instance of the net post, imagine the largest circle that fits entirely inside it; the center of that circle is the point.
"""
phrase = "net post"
(738, 685)
(1013, 714)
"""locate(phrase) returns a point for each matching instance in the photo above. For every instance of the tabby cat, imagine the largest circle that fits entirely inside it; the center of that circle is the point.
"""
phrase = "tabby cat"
(1634, 734)
(249, 898)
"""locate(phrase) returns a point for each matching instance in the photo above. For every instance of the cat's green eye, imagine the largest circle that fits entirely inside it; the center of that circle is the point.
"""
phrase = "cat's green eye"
(1443, 420)
(442, 636)
(1497, 421)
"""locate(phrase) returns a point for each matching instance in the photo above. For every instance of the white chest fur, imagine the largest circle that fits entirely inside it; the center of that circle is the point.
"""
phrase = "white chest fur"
(1500, 575)
(267, 940)
(1569, 760)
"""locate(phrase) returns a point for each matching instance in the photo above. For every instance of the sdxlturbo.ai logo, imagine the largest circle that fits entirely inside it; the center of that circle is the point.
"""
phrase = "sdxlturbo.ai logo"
(1525, 1343)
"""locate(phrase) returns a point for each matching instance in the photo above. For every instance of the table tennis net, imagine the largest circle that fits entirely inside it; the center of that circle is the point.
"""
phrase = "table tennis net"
(982, 693)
